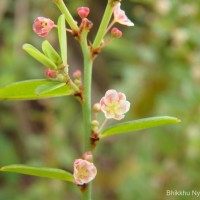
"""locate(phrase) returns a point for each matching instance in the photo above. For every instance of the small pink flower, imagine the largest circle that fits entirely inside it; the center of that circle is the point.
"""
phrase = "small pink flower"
(51, 73)
(120, 16)
(116, 33)
(114, 105)
(42, 26)
(83, 12)
(84, 171)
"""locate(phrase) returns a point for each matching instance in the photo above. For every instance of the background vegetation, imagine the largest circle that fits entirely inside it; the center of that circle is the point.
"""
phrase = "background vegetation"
(156, 63)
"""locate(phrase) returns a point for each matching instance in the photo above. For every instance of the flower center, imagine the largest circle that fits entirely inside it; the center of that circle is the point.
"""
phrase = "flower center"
(82, 172)
(44, 24)
(113, 107)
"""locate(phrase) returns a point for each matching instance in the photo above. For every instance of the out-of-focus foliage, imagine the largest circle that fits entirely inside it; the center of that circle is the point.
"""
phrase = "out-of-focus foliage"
(156, 63)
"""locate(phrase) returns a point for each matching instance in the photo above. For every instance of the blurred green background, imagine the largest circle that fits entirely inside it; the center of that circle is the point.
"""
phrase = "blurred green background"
(156, 63)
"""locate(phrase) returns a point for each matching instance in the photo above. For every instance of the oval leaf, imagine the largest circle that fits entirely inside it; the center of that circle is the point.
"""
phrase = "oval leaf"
(51, 53)
(62, 36)
(139, 125)
(48, 87)
(25, 90)
(35, 53)
(40, 172)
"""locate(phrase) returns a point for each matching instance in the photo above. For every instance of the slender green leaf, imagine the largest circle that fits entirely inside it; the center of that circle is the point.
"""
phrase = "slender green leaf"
(140, 124)
(51, 53)
(48, 87)
(40, 172)
(26, 90)
(62, 36)
(35, 53)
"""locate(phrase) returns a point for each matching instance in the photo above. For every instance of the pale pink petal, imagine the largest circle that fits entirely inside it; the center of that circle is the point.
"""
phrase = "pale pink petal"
(122, 96)
(102, 101)
(119, 117)
(120, 16)
(110, 96)
(109, 116)
(124, 107)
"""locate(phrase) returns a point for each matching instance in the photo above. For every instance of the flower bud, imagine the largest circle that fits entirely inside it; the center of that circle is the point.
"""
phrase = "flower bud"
(95, 123)
(97, 107)
(116, 33)
(42, 26)
(83, 12)
(84, 171)
(51, 73)
(88, 156)
(77, 74)
(78, 82)
(61, 78)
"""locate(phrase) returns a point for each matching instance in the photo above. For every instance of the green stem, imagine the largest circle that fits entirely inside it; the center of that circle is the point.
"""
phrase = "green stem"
(87, 194)
(87, 88)
(70, 20)
(104, 24)
(86, 106)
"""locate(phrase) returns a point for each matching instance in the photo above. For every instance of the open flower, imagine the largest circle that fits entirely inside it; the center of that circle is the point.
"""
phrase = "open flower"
(84, 171)
(42, 26)
(120, 16)
(114, 105)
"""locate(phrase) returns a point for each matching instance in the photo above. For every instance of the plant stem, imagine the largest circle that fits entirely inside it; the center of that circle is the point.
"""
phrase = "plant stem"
(88, 192)
(104, 24)
(86, 106)
(70, 20)
(87, 88)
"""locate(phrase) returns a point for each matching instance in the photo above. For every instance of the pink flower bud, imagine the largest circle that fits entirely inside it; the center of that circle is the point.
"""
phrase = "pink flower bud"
(77, 74)
(114, 105)
(120, 16)
(83, 12)
(116, 33)
(88, 156)
(84, 171)
(42, 26)
(51, 73)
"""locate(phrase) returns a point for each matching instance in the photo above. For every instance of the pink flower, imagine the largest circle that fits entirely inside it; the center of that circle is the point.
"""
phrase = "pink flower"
(84, 171)
(114, 105)
(83, 12)
(42, 26)
(120, 16)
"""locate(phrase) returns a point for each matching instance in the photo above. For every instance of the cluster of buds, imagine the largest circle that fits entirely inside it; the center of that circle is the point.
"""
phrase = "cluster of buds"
(84, 169)
(77, 78)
